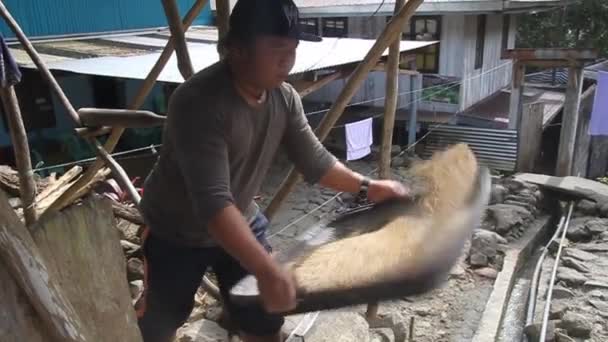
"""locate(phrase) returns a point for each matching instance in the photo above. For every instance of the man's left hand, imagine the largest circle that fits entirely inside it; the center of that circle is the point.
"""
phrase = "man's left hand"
(382, 190)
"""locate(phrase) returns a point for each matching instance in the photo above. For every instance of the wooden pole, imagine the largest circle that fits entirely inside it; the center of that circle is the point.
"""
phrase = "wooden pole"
(44, 70)
(530, 136)
(19, 253)
(517, 90)
(306, 88)
(184, 64)
(353, 84)
(567, 141)
(583, 139)
(27, 186)
(70, 195)
(390, 102)
(223, 17)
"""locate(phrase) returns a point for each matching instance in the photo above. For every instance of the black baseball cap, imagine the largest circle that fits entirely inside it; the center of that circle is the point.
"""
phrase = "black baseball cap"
(268, 17)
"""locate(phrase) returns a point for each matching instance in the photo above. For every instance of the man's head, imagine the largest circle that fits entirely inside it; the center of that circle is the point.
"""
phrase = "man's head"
(262, 40)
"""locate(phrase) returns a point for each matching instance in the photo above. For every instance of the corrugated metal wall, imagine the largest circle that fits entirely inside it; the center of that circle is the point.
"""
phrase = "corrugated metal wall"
(59, 17)
(495, 148)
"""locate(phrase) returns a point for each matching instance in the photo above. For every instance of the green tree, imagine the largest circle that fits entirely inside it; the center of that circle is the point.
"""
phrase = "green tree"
(582, 24)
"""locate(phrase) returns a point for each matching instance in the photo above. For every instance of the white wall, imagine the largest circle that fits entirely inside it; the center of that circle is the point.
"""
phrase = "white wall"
(495, 72)
(451, 51)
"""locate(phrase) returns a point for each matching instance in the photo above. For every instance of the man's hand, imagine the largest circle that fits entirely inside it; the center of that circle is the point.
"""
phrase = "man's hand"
(277, 290)
(382, 190)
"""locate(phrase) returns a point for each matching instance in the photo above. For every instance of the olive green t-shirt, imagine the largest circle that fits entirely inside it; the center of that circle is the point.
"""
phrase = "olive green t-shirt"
(217, 150)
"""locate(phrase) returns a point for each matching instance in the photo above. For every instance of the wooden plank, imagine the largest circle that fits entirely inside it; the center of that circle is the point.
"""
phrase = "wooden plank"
(51, 193)
(530, 136)
(73, 193)
(27, 265)
(95, 117)
(583, 139)
(82, 246)
(516, 99)
(21, 148)
(567, 141)
(390, 105)
(388, 35)
(184, 64)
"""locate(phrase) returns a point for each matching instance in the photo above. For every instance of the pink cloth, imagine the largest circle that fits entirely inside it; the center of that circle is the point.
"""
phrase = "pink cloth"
(359, 139)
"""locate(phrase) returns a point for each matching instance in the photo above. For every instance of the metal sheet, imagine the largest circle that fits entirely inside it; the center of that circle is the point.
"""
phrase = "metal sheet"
(495, 148)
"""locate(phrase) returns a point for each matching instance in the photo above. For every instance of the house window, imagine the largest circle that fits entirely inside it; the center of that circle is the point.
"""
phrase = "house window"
(425, 28)
(506, 27)
(480, 44)
(335, 27)
(309, 25)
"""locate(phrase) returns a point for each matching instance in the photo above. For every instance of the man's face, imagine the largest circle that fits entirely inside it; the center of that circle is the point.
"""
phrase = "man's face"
(272, 58)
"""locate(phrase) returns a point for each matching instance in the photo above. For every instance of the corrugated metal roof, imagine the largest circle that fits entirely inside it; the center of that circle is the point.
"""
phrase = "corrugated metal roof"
(132, 56)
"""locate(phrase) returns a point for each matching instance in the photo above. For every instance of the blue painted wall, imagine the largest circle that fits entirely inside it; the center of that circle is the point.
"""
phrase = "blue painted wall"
(58, 17)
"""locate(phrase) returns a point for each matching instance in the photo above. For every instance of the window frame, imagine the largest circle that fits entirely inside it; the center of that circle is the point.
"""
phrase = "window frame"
(411, 35)
(304, 24)
(333, 31)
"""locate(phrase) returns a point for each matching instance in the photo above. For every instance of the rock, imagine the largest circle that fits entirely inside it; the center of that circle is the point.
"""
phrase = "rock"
(129, 231)
(558, 309)
(201, 331)
(560, 292)
(554, 245)
(504, 217)
(382, 335)
(599, 304)
(423, 311)
(575, 264)
(578, 231)
(570, 276)
(478, 259)
(598, 294)
(130, 249)
(603, 209)
(596, 284)
(562, 336)
(513, 185)
(197, 313)
(603, 236)
(136, 287)
(213, 313)
(458, 271)
(530, 207)
(487, 272)
(578, 254)
(586, 207)
(498, 194)
(135, 269)
(576, 325)
(485, 244)
(339, 326)
(532, 331)
(593, 247)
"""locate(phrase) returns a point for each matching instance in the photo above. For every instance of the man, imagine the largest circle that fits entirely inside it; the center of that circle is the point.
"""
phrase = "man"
(224, 128)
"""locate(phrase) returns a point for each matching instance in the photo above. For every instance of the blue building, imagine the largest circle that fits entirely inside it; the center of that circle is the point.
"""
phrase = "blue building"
(40, 18)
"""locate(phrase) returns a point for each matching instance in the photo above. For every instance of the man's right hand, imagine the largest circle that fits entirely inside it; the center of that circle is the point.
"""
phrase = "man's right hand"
(277, 289)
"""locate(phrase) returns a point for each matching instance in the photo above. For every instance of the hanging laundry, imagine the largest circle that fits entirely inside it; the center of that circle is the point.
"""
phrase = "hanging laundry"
(359, 139)
(9, 71)
(599, 115)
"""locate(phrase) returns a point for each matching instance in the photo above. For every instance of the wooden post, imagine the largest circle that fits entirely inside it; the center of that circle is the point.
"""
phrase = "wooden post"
(583, 139)
(72, 193)
(567, 141)
(184, 64)
(27, 186)
(416, 88)
(223, 17)
(517, 90)
(19, 253)
(387, 36)
(44, 70)
(390, 102)
(530, 136)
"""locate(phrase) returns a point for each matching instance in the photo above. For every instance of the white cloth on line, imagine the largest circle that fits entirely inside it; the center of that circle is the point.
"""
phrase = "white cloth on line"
(359, 139)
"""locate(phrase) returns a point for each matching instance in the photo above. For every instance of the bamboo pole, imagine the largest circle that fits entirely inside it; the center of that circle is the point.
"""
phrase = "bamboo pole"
(353, 84)
(390, 102)
(184, 64)
(27, 186)
(69, 196)
(44, 70)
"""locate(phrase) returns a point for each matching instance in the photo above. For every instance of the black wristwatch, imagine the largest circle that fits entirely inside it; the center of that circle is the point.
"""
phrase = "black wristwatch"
(364, 187)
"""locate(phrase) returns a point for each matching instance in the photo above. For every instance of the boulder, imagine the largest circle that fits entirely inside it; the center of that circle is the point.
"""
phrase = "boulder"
(597, 226)
(513, 185)
(201, 331)
(593, 247)
(578, 254)
(570, 277)
(532, 331)
(603, 236)
(576, 325)
(599, 304)
(130, 249)
(478, 260)
(135, 269)
(504, 217)
(382, 335)
(586, 207)
(339, 326)
(575, 264)
(558, 309)
(578, 230)
(487, 272)
(487, 243)
(560, 292)
(603, 209)
(498, 194)
(562, 336)
(129, 231)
